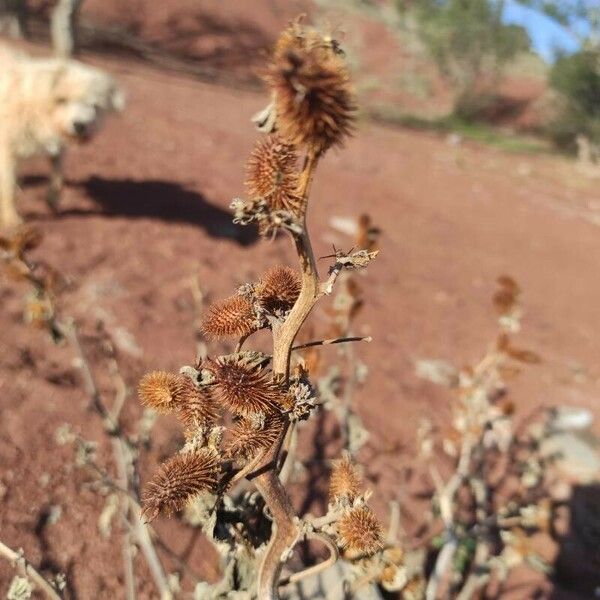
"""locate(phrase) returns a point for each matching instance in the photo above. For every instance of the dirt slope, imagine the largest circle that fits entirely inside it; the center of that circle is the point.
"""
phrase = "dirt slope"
(146, 209)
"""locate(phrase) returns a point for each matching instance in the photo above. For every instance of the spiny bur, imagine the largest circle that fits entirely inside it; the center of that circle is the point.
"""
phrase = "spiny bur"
(242, 389)
(197, 408)
(345, 482)
(180, 479)
(249, 438)
(233, 316)
(160, 389)
(359, 532)
(310, 84)
(278, 289)
(272, 175)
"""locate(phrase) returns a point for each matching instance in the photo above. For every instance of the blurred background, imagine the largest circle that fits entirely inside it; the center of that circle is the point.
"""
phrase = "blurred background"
(477, 154)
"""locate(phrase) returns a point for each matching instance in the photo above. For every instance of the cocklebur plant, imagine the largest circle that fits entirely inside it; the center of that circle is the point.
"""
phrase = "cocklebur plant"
(497, 493)
(43, 309)
(238, 411)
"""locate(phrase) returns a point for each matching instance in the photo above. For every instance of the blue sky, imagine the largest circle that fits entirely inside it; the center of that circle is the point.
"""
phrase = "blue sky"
(546, 35)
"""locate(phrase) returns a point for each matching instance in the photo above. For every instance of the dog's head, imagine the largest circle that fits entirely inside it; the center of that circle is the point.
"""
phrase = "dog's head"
(81, 97)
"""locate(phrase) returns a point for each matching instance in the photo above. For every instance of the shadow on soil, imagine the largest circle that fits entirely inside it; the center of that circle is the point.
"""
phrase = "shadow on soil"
(164, 200)
(577, 566)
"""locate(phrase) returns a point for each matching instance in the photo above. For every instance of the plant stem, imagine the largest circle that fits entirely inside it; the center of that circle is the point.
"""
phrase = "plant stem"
(283, 336)
(269, 485)
(339, 340)
(28, 571)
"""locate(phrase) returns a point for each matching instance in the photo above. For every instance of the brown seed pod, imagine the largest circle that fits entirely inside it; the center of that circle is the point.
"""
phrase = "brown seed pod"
(278, 289)
(178, 480)
(359, 532)
(272, 175)
(196, 407)
(248, 440)
(242, 389)
(345, 482)
(310, 84)
(232, 316)
(159, 390)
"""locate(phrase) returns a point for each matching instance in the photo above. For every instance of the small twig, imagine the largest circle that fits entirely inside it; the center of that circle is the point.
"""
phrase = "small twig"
(123, 482)
(120, 393)
(154, 564)
(442, 564)
(69, 331)
(394, 527)
(238, 346)
(314, 569)
(340, 340)
(27, 570)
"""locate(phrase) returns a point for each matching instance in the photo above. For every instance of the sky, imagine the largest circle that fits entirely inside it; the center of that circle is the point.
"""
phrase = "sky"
(546, 35)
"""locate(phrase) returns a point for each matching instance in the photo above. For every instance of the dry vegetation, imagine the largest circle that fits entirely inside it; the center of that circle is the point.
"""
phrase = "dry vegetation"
(241, 413)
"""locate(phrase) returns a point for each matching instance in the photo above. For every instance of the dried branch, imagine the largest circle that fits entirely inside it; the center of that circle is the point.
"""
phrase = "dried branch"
(340, 340)
(27, 570)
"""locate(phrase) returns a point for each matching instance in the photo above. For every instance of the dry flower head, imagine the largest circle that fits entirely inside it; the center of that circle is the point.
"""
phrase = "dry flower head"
(249, 438)
(233, 316)
(160, 389)
(272, 175)
(180, 479)
(310, 84)
(243, 389)
(359, 532)
(345, 482)
(278, 289)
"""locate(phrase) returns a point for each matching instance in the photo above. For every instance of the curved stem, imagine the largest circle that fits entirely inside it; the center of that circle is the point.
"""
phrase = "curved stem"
(283, 537)
(322, 566)
(285, 533)
(283, 336)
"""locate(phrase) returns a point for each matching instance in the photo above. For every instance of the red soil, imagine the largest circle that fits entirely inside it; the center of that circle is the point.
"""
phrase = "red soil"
(146, 209)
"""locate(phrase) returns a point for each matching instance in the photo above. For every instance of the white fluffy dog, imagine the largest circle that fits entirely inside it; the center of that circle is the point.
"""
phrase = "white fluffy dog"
(45, 104)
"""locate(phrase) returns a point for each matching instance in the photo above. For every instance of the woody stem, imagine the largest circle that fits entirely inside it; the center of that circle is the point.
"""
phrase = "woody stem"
(268, 483)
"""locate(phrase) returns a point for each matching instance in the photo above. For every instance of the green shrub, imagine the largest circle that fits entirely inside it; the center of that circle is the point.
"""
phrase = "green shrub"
(577, 79)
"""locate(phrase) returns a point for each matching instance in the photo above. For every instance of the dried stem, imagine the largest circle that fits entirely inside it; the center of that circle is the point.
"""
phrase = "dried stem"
(119, 444)
(322, 566)
(28, 571)
(269, 485)
(69, 331)
(284, 335)
(339, 340)
(123, 482)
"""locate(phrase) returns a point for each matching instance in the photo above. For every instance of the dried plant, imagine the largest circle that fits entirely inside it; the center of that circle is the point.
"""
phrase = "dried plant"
(497, 494)
(259, 396)
(159, 390)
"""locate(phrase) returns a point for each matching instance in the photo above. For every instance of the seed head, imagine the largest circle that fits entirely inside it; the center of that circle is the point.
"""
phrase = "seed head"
(232, 316)
(345, 482)
(161, 390)
(196, 407)
(278, 289)
(248, 439)
(243, 389)
(311, 88)
(178, 480)
(359, 532)
(272, 175)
